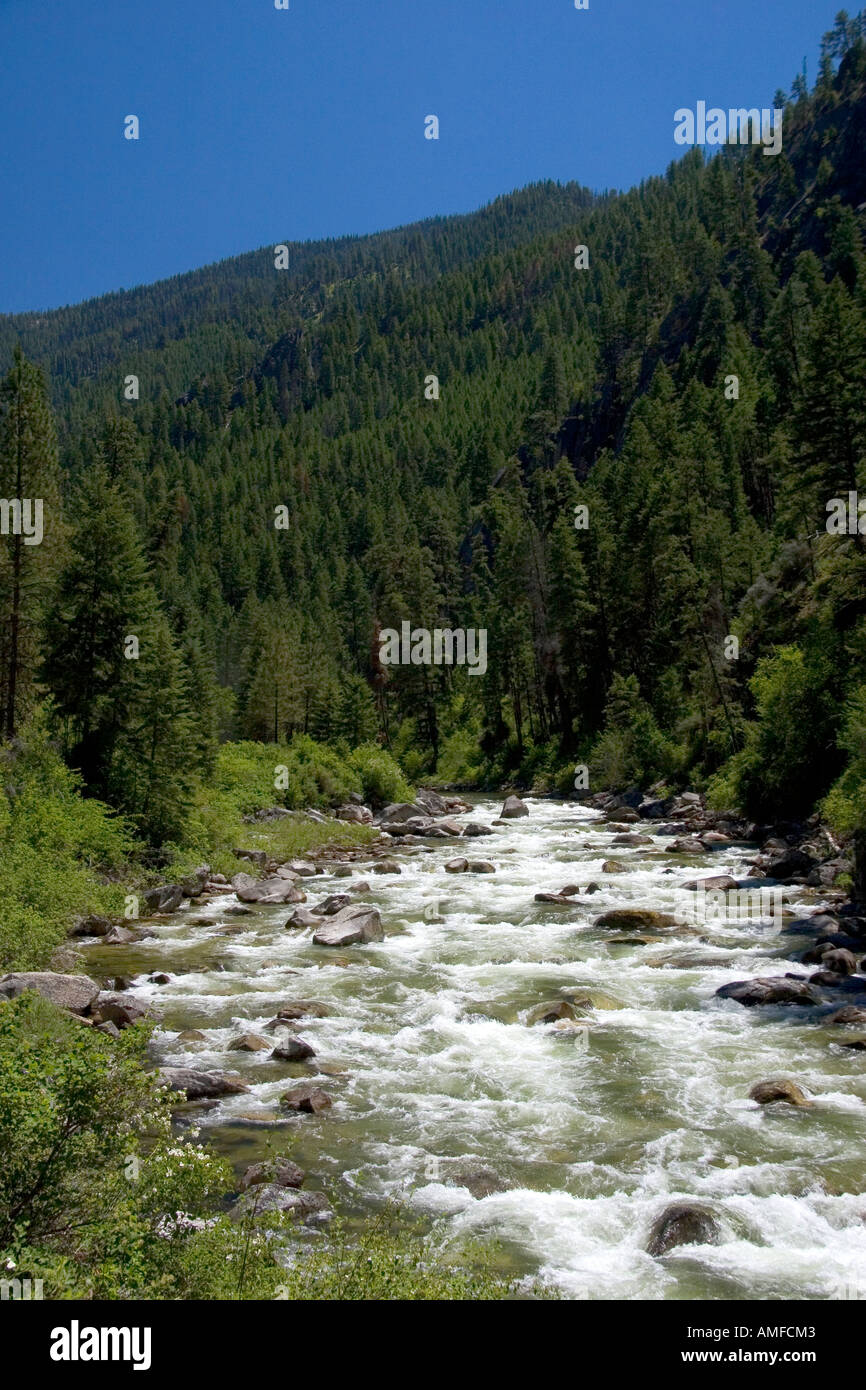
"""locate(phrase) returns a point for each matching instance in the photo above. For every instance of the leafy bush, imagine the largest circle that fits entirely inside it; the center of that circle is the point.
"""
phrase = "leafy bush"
(54, 845)
(382, 779)
(100, 1200)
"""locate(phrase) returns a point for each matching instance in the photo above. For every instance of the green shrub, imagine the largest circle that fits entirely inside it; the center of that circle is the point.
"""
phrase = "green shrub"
(382, 779)
(55, 847)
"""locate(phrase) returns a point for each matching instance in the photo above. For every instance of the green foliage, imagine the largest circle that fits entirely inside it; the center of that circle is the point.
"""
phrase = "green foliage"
(54, 846)
(101, 1201)
(789, 754)
(632, 748)
(382, 780)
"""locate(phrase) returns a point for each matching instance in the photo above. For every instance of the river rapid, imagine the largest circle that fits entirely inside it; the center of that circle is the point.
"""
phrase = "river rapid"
(577, 1138)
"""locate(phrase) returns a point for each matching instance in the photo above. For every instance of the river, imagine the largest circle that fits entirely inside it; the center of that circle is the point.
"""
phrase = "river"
(588, 1131)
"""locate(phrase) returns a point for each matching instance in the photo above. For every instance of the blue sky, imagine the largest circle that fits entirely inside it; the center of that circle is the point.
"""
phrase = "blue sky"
(259, 125)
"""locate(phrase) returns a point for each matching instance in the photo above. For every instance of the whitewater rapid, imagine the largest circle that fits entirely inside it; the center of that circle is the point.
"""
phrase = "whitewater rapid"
(591, 1131)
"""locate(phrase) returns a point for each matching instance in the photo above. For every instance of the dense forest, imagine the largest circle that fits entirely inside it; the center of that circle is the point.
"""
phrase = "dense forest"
(621, 471)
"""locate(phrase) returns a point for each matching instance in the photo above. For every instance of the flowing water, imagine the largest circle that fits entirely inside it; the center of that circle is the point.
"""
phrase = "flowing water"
(590, 1131)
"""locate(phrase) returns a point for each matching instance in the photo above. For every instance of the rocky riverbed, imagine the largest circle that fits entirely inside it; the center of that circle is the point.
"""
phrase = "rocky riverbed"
(530, 1043)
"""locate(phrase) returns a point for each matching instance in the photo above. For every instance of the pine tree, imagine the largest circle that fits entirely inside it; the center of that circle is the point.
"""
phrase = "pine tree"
(29, 488)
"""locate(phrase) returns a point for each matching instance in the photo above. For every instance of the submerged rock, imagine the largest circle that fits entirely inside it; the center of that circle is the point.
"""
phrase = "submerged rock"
(249, 1042)
(682, 1223)
(309, 1098)
(550, 1012)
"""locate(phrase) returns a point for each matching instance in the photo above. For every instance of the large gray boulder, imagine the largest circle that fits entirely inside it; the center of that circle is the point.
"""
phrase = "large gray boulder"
(279, 1171)
(404, 810)
(267, 890)
(123, 1010)
(352, 926)
(777, 989)
(513, 808)
(167, 898)
(358, 815)
(200, 1085)
(789, 864)
(308, 1207)
(75, 993)
(432, 802)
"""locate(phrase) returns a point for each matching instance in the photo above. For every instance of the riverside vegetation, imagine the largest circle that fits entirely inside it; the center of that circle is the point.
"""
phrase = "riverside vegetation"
(609, 644)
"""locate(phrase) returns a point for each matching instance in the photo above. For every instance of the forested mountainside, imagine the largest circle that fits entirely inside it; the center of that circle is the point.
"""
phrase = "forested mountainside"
(697, 388)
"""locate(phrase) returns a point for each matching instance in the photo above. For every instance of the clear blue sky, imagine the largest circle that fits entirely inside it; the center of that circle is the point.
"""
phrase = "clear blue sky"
(259, 125)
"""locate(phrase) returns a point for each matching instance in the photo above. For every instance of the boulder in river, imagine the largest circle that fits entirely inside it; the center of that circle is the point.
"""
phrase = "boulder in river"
(631, 837)
(789, 864)
(848, 1014)
(481, 866)
(167, 898)
(303, 917)
(92, 926)
(75, 993)
(457, 866)
(121, 936)
(304, 868)
(267, 890)
(636, 919)
(249, 1042)
(716, 883)
(292, 1049)
(550, 1012)
(475, 828)
(354, 925)
(200, 1085)
(310, 1099)
(302, 1008)
(687, 845)
(613, 866)
(121, 1009)
(775, 989)
(682, 1223)
(308, 1207)
(282, 1172)
(477, 1179)
(559, 898)
(334, 903)
(513, 808)
(844, 962)
(765, 1092)
(386, 866)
